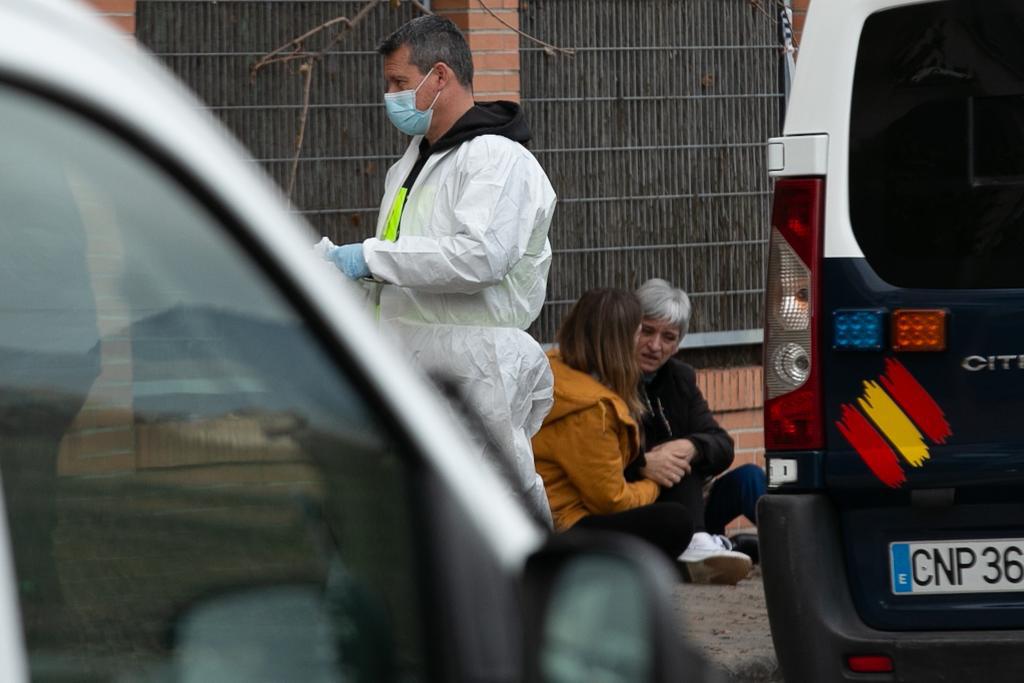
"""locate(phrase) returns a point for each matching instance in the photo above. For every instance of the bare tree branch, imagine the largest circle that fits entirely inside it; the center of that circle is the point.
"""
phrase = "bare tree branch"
(420, 6)
(548, 48)
(356, 20)
(281, 55)
(306, 68)
(297, 44)
(295, 49)
(756, 4)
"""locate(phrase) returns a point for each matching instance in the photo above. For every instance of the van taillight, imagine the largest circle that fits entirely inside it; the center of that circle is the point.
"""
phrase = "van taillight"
(793, 410)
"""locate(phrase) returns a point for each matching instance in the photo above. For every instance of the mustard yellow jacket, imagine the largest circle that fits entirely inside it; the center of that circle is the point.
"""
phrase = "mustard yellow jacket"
(583, 448)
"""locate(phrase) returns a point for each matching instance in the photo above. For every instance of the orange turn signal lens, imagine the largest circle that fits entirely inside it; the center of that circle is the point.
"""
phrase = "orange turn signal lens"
(916, 329)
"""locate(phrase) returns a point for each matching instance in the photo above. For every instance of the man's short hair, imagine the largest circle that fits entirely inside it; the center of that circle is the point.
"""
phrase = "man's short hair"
(432, 39)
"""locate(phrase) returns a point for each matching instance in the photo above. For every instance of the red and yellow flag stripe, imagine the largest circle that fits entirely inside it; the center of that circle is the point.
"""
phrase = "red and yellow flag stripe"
(902, 413)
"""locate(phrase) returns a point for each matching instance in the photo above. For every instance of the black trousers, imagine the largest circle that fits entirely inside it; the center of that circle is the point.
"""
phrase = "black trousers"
(689, 493)
(666, 525)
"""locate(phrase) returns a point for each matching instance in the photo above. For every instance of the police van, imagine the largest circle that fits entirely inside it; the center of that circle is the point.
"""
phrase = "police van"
(893, 533)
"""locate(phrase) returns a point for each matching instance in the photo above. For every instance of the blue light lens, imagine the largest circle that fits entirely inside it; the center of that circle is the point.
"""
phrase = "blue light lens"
(858, 330)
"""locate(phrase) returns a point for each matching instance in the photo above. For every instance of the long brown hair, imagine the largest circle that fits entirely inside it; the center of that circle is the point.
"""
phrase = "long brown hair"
(598, 337)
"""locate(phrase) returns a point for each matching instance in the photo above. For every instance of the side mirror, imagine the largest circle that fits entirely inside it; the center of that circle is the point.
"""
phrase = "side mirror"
(599, 608)
(255, 633)
(294, 631)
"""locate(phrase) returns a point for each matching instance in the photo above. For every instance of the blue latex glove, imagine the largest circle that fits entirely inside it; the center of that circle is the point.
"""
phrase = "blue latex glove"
(349, 259)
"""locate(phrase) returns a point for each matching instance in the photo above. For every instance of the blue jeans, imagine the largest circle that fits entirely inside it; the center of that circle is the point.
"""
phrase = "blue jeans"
(733, 494)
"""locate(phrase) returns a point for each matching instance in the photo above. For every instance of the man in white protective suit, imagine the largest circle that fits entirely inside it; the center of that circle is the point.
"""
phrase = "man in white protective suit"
(458, 267)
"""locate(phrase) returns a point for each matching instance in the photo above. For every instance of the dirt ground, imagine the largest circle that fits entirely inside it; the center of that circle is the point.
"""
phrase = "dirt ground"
(730, 625)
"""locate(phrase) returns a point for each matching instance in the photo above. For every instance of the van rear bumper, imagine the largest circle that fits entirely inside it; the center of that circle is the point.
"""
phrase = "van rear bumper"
(815, 625)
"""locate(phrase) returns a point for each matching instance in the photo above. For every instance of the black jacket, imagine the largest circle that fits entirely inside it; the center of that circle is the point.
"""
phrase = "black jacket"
(676, 410)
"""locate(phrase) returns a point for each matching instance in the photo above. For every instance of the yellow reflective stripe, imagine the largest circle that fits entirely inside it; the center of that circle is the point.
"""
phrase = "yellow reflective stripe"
(395, 216)
(894, 423)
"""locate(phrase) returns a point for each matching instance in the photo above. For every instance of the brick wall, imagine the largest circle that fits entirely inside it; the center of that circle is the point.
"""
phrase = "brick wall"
(734, 396)
(120, 12)
(799, 16)
(494, 44)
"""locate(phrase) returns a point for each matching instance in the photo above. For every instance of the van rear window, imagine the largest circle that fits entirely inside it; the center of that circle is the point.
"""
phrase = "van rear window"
(937, 144)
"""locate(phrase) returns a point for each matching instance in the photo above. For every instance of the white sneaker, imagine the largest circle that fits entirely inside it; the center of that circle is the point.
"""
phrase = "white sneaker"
(711, 559)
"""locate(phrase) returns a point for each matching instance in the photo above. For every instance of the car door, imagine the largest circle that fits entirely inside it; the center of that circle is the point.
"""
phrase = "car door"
(198, 482)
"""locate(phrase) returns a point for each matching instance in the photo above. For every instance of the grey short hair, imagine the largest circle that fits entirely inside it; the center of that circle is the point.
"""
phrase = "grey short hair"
(662, 301)
(432, 39)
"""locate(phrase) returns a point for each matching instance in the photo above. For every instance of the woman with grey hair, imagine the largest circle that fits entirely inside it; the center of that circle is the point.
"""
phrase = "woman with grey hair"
(661, 301)
(684, 445)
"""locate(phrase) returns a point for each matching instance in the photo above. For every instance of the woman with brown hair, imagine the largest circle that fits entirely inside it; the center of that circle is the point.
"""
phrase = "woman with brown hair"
(592, 432)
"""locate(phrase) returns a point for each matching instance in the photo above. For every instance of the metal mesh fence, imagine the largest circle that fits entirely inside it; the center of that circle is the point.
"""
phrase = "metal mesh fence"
(653, 136)
(348, 144)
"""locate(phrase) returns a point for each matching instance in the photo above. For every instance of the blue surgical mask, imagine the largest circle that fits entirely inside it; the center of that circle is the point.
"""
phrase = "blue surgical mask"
(402, 111)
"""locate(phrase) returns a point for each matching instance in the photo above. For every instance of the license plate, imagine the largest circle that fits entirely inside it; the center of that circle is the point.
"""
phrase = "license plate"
(964, 566)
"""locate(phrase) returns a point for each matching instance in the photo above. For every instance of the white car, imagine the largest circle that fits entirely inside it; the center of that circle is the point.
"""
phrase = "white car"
(213, 467)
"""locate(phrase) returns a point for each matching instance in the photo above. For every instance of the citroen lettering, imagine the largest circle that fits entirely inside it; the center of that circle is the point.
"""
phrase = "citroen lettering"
(976, 363)
(1009, 361)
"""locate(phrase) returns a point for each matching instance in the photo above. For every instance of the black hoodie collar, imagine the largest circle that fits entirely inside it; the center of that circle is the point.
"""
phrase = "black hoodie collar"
(484, 118)
(487, 118)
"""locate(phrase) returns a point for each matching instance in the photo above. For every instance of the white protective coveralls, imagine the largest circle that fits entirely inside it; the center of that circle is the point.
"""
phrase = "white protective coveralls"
(464, 280)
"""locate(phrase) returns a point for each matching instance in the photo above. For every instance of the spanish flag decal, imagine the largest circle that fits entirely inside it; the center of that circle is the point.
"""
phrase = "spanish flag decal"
(903, 418)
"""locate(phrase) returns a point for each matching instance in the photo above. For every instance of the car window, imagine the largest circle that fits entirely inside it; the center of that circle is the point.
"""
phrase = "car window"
(937, 145)
(192, 487)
